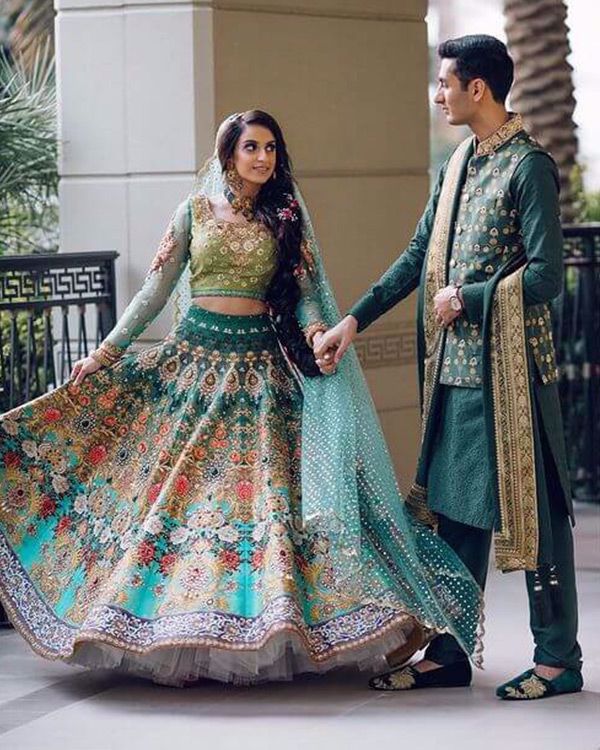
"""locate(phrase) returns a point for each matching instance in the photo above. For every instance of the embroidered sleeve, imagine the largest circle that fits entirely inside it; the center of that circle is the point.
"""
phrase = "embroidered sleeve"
(308, 311)
(163, 274)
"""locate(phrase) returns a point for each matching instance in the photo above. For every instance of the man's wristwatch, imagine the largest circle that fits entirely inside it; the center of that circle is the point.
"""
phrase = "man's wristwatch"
(455, 301)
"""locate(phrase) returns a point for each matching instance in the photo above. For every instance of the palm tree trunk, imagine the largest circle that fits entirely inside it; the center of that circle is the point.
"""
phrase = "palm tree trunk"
(537, 36)
(31, 28)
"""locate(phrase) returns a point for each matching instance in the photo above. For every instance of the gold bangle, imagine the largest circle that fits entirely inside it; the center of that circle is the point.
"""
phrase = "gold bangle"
(107, 354)
(311, 330)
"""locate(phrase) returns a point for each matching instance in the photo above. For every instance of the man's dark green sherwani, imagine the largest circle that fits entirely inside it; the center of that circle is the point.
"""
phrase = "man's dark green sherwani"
(492, 454)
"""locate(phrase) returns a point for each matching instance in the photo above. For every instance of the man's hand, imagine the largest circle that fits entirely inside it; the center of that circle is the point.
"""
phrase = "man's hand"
(444, 312)
(326, 362)
(336, 339)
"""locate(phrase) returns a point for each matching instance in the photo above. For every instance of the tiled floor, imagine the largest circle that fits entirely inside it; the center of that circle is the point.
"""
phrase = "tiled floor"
(48, 706)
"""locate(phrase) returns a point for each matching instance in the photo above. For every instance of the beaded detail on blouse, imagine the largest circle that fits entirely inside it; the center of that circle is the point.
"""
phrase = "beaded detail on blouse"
(229, 258)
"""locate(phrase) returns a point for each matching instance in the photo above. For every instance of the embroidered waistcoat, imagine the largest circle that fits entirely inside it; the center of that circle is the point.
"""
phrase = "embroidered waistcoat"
(486, 236)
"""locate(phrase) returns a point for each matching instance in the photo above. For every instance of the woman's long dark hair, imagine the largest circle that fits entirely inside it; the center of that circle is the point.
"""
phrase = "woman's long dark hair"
(283, 293)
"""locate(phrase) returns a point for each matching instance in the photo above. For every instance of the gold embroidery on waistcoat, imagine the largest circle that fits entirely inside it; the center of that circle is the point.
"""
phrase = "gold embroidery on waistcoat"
(436, 279)
(435, 273)
(504, 133)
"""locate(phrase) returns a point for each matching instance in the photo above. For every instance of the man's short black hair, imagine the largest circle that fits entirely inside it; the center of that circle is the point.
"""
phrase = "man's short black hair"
(481, 56)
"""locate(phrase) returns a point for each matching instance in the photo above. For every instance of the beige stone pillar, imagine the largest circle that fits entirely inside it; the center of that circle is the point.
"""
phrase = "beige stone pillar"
(143, 83)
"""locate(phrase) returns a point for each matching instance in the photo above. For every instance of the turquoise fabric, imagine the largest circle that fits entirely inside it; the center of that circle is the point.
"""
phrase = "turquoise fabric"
(349, 487)
(159, 505)
(202, 493)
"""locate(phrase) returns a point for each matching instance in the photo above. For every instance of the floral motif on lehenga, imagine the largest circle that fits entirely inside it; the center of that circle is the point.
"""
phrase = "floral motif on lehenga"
(159, 503)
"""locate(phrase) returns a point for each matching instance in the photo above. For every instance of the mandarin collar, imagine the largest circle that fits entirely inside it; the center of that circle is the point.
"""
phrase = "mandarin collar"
(504, 133)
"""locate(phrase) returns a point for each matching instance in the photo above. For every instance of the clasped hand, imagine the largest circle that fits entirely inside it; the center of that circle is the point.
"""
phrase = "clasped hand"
(326, 361)
(329, 347)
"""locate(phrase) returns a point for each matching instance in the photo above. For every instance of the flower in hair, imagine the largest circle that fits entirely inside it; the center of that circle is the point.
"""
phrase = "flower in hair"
(291, 211)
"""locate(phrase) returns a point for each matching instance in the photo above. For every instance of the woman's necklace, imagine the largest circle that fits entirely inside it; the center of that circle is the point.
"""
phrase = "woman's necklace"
(240, 204)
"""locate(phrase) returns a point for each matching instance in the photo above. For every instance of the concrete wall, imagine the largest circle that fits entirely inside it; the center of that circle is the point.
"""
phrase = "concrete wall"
(142, 86)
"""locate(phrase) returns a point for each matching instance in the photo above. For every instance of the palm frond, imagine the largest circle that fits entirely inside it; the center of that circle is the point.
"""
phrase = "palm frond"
(28, 152)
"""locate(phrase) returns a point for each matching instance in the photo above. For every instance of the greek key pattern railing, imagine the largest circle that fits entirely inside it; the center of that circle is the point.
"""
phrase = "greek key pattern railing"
(388, 345)
(69, 285)
(53, 310)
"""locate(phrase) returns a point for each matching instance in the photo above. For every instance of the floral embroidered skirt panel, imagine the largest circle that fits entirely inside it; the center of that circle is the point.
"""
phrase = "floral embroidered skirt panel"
(150, 520)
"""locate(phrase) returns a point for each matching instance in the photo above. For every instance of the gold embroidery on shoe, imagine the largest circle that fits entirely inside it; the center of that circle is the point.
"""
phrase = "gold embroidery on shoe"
(402, 680)
(529, 689)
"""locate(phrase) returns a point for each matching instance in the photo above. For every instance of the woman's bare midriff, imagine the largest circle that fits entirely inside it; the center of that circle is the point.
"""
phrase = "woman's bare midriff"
(231, 305)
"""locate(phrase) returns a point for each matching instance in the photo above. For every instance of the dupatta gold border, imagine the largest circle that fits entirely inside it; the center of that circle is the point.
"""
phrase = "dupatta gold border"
(516, 543)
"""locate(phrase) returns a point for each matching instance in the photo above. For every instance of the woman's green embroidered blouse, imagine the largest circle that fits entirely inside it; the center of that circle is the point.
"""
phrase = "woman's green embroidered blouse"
(225, 259)
(229, 258)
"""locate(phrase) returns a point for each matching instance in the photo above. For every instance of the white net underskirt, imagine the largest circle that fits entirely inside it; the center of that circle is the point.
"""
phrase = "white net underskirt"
(281, 658)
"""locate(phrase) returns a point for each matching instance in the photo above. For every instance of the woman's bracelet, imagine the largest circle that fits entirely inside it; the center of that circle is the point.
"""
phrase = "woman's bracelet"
(311, 330)
(107, 354)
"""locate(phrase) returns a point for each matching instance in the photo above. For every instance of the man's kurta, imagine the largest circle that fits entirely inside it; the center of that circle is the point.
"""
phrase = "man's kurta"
(495, 230)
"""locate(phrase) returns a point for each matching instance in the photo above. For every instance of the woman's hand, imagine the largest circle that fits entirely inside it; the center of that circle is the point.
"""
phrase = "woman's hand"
(84, 367)
(326, 362)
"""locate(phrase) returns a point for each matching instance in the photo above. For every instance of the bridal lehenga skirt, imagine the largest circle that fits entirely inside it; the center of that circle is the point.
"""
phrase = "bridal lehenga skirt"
(150, 520)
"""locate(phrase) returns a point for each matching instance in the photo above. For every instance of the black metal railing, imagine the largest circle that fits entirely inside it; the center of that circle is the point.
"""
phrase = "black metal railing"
(54, 309)
(577, 322)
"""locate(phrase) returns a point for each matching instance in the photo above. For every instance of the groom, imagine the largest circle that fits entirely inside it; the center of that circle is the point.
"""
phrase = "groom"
(486, 258)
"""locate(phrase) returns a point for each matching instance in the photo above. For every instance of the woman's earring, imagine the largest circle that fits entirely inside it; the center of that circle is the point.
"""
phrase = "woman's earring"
(233, 179)
(274, 175)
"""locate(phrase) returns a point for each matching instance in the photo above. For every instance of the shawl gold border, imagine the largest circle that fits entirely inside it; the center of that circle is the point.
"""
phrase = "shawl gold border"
(516, 543)
(436, 276)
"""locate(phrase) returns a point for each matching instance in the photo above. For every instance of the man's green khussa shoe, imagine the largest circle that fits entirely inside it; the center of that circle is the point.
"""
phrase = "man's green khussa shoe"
(408, 678)
(530, 686)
